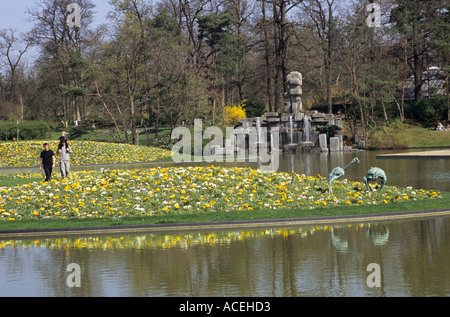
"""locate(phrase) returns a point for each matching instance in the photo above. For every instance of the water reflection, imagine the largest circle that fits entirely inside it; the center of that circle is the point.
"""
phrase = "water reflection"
(291, 261)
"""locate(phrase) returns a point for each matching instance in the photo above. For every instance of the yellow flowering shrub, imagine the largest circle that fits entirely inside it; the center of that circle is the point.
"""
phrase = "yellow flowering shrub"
(234, 112)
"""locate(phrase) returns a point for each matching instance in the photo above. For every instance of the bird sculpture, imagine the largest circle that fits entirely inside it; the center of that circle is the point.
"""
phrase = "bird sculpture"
(338, 172)
(373, 174)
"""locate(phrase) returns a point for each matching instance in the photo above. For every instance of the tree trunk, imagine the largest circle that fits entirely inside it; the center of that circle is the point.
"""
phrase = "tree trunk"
(266, 57)
(447, 93)
(329, 56)
(283, 44)
(134, 136)
(328, 81)
(109, 112)
(276, 41)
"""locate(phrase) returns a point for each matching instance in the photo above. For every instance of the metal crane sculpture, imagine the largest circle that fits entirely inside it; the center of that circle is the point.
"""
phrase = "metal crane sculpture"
(338, 172)
(373, 174)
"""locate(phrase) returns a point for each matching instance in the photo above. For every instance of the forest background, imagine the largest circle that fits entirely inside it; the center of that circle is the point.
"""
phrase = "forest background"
(159, 64)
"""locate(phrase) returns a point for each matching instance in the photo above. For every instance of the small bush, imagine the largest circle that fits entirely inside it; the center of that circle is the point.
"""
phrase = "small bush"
(234, 113)
(393, 136)
(76, 132)
(428, 111)
(329, 130)
(28, 130)
(254, 108)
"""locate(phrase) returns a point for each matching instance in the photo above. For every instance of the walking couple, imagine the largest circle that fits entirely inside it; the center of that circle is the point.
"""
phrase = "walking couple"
(48, 159)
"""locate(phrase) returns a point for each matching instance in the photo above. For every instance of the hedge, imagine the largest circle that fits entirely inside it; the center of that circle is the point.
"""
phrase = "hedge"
(28, 130)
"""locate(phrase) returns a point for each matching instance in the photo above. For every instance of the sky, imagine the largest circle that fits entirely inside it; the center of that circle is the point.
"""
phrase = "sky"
(13, 16)
(13, 13)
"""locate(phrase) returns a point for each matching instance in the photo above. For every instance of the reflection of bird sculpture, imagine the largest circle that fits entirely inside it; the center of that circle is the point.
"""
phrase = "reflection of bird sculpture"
(373, 174)
(338, 172)
(339, 244)
(378, 238)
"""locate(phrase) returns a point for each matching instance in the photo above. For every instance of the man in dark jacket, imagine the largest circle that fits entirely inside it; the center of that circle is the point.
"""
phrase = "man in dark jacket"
(48, 161)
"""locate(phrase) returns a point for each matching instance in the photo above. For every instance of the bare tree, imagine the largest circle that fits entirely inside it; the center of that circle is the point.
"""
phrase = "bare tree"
(61, 42)
(13, 46)
(321, 16)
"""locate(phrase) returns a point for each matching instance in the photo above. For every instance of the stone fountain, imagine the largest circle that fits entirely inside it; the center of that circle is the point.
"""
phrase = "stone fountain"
(291, 145)
(299, 130)
(307, 143)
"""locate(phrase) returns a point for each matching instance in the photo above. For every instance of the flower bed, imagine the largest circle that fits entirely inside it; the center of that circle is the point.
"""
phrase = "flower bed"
(175, 190)
(27, 153)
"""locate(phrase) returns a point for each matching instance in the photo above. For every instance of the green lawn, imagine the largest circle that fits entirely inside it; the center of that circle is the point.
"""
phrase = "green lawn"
(110, 135)
(421, 137)
(17, 181)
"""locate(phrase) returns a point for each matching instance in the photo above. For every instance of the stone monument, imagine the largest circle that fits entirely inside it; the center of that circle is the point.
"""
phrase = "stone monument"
(323, 144)
(334, 144)
(292, 96)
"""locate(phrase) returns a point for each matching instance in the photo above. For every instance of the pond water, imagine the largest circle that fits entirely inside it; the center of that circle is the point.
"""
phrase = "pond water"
(413, 259)
(425, 173)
